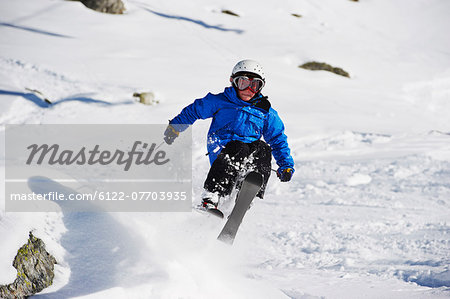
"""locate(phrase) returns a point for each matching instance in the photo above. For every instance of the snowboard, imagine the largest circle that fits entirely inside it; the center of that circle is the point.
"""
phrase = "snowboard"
(250, 187)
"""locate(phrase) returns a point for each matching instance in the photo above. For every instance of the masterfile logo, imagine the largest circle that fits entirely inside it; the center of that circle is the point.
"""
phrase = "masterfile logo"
(54, 155)
(96, 168)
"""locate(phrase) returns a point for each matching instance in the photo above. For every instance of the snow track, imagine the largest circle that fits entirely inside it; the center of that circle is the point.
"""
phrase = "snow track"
(390, 222)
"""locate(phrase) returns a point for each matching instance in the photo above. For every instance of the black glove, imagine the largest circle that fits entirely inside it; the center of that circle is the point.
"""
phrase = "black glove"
(285, 174)
(170, 134)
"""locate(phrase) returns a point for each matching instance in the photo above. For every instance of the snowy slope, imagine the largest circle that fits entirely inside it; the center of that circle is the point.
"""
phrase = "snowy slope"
(367, 213)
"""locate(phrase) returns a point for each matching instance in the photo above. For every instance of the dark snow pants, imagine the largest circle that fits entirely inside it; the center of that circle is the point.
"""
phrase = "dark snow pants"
(237, 157)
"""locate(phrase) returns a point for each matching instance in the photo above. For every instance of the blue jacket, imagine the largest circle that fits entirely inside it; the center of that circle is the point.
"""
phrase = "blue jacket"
(235, 119)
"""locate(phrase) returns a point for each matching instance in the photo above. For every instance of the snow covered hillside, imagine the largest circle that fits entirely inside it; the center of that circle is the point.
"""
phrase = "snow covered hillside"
(367, 214)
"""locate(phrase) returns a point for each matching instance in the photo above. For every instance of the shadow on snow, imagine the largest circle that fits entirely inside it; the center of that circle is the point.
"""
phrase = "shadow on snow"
(34, 30)
(99, 249)
(41, 103)
(198, 22)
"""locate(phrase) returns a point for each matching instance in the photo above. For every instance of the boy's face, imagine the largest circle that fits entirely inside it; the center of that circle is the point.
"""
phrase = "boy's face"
(246, 94)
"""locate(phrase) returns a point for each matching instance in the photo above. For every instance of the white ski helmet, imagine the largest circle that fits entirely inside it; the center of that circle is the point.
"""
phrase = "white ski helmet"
(249, 66)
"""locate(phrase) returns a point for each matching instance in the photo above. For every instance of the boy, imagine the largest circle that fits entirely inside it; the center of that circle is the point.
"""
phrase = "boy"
(241, 116)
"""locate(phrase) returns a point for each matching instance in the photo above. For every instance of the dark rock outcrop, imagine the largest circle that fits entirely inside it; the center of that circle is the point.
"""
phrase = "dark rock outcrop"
(106, 6)
(34, 270)
(320, 66)
(229, 12)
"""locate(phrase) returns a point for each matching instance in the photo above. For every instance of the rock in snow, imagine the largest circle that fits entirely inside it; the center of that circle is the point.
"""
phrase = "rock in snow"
(34, 270)
(106, 6)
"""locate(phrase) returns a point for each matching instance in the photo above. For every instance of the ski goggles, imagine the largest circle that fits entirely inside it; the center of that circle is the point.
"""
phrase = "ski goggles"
(244, 82)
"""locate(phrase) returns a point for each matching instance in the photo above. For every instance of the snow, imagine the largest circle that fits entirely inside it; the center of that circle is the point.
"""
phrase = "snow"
(367, 212)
